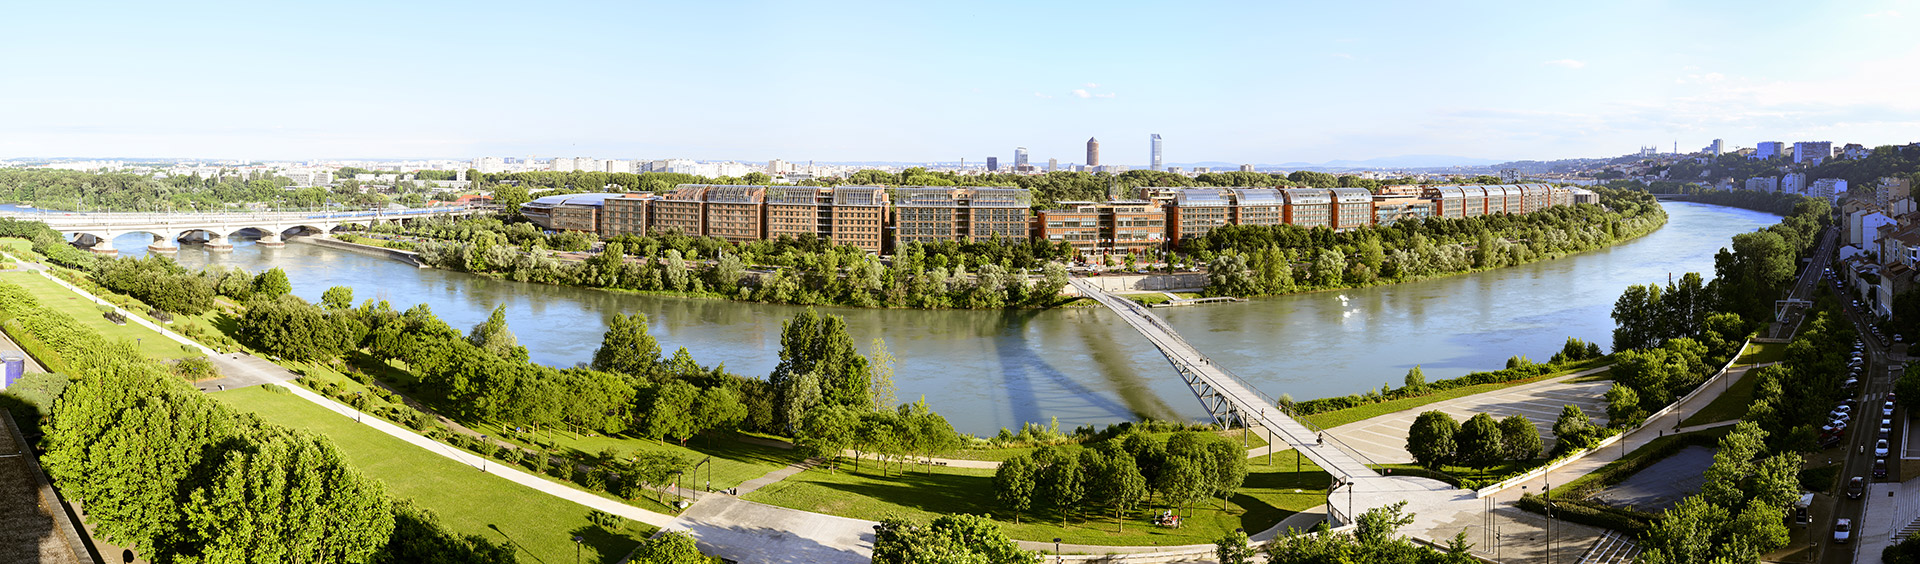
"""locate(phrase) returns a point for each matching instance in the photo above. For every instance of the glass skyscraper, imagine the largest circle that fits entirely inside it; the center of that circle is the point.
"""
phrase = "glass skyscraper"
(1156, 152)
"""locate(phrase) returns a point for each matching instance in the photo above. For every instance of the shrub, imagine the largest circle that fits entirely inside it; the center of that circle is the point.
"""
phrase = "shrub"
(1600, 515)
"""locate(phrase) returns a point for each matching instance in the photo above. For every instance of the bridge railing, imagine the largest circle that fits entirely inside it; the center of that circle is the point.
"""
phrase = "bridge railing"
(1285, 408)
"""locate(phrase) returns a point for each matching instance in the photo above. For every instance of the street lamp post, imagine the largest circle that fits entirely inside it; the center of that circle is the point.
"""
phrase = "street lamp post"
(576, 549)
(483, 453)
(1056, 550)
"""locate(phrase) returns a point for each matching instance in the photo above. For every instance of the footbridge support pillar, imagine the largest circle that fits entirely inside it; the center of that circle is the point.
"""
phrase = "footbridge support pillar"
(163, 244)
(219, 242)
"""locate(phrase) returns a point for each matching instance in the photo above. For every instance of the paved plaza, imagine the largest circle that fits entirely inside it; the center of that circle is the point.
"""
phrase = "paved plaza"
(1383, 439)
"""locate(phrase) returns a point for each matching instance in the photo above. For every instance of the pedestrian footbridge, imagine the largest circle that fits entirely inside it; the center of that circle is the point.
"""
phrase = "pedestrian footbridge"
(1233, 402)
(100, 229)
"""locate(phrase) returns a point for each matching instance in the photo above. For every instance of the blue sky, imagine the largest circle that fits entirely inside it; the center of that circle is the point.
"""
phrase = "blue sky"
(1257, 82)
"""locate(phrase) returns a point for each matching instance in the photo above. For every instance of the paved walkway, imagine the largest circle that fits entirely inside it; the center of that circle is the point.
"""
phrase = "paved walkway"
(240, 370)
(744, 531)
(1384, 438)
(502, 470)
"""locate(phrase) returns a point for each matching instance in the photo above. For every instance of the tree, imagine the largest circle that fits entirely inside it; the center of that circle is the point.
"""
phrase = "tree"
(627, 347)
(1119, 482)
(1479, 442)
(1065, 483)
(827, 431)
(337, 298)
(272, 283)
(1431, 439)
(1573, 431)
(947, 539)
(1907, 387)
(1623, 406)
(675, 547)
(494, 337)
(820, 344)
(1416, 381)
(718, 408)
(1233, 549)
(882, 379)
(1519, 437)
(1013, 485)
(671, 413)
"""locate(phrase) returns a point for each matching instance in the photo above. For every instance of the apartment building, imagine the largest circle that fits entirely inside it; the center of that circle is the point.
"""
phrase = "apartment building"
(1352, 209)
(625, 214)
(1308, 207)
(857, 216)
(1196, 211)
(927, 214)
(682, 210)
(1257, 206)
(1098, 228)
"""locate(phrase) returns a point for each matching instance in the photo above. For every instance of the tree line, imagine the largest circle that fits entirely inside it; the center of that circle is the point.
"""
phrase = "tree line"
(1251, 260)
(1119, 474)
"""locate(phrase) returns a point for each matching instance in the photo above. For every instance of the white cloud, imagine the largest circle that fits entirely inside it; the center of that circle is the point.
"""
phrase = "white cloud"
(1092, 85)
(1566, 63)
(1081, 93)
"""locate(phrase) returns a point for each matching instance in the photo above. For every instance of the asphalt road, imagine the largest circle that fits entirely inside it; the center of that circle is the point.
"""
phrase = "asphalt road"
(1876, 382)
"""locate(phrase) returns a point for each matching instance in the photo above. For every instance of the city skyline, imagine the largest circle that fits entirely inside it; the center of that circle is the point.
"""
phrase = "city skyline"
(1354, 83)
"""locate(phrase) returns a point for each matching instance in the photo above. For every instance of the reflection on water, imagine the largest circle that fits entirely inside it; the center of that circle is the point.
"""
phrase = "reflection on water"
(989, 369)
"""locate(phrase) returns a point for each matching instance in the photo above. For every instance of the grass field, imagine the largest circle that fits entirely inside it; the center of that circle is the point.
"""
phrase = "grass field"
(1761, 353)
(1270, 494)
(87, 313)
(1731, 404)
(1333, 419)
(468, 501)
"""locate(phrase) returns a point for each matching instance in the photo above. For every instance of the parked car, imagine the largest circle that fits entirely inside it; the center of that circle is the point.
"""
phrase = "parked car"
(1844, 407)
(1857, 487)
(1879, 468)
(1880, 447)
(1886, 428)
(1886, 409)
(1843, 531)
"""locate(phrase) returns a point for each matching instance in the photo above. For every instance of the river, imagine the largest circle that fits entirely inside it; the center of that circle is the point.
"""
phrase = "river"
(990, 369)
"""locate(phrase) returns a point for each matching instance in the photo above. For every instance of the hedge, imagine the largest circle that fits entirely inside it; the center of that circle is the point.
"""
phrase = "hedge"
(1517, 373)
(1596, 514)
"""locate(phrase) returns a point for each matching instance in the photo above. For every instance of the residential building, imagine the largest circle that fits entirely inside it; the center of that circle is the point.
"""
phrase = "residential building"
(1156, 152)
(1717, 147)
(928, 214)
(1763, 184)
(1256, 206)
(732, 212)
(1352, 208)
(1093, 152)
(1794, 183)
(1053, 165)
(1098, 228)
(625, 214)
(1812, 152)
(1828, 188)
(1855, 151)
(1308, 207)
(1509, 175)
(1769, 149)
(993, 164)
(858, 217)
(1391, 208)
(682, 211)
(1246, 168)
(1196, 211)
(794, 211)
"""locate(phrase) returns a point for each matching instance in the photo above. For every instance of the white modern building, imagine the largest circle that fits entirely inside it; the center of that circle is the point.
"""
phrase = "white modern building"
(1812, 152)
(1769, 149)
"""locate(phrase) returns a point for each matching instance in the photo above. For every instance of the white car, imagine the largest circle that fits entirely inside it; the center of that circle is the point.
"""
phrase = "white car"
(1880, 448)
(1843, 531)
(1887, 409)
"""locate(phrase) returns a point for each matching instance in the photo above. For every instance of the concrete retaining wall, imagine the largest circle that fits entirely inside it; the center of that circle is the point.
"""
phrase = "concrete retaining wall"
(1146, 283)
(408, 257)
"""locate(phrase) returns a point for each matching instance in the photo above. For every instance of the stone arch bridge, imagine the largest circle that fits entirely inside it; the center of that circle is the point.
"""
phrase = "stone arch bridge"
(215, 228)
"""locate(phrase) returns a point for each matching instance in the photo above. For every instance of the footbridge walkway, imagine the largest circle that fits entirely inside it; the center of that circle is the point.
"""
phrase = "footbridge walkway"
(99, 229)
(1232, 401)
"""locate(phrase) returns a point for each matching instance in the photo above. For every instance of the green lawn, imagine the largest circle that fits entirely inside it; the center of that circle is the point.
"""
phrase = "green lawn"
(732, 461)
(1271, 493)
(1761, 353)
(87, 313)
(1731, 404)
(1462, 473)
(1337, 418)
(468, 501)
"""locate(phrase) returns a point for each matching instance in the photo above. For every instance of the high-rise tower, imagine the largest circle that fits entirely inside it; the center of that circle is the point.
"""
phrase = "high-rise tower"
(1093, 152)
(1019, 158)
(1156, 151)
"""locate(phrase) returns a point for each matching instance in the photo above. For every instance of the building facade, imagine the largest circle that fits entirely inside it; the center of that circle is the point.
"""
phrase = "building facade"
(1812, 152)
(1093, 152)
(1156, 152)
(1769, 149)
